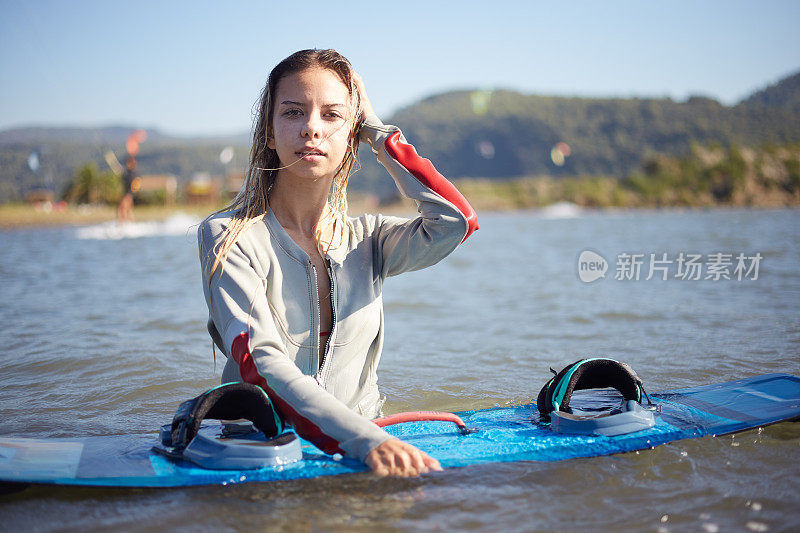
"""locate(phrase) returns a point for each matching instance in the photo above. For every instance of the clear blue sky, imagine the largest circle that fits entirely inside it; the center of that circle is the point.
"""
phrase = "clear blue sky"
(198, 67)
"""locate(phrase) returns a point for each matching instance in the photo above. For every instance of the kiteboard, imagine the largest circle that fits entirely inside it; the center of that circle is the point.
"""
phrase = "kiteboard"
(500, 434)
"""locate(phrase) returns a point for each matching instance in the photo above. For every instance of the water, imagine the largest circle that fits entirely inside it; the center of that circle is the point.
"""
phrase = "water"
(106, 335)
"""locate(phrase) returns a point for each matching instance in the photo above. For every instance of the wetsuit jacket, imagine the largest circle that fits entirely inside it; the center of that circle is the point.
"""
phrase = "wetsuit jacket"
(264, 305)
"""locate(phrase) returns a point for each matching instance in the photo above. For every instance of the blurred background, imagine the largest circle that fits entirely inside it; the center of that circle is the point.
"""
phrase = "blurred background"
(632, 104)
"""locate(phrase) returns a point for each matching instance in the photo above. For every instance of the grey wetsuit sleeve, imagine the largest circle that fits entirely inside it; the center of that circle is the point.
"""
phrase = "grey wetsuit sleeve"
(445, 217)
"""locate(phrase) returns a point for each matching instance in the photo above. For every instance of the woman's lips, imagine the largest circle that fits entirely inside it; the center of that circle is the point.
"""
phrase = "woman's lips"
(310, 152)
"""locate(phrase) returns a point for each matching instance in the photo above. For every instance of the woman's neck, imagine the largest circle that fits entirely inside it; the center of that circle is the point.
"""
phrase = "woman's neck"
(300, 207)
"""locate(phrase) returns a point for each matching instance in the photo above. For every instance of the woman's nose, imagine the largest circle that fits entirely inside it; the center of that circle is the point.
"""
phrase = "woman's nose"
(312, 128)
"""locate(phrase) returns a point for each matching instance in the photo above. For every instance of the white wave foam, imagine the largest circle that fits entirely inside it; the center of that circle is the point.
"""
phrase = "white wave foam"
(561, 210)
(177, 224)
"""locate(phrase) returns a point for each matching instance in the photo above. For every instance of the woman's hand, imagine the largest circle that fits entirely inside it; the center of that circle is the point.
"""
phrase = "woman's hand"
(366, 106)
(397, 458)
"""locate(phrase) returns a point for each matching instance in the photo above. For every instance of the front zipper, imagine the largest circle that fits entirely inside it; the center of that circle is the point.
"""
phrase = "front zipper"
(333, 320)
(319, 320)
(315, 297)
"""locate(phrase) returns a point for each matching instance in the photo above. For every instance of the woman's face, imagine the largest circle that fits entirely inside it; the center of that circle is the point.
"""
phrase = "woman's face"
(311, 123)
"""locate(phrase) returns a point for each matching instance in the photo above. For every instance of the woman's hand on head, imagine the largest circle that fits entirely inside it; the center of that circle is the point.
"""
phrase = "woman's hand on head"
(397, 458)
(366, 106)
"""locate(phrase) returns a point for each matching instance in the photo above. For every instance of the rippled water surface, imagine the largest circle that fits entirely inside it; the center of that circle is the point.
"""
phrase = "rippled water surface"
(105, 335)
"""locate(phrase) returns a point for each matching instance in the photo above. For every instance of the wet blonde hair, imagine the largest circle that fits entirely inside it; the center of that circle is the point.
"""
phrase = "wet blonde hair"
(252, 201)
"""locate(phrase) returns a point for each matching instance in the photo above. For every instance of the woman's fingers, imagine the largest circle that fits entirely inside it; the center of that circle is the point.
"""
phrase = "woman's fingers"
(411, 462)
(366, 106)
(397, 458)
(432, 464)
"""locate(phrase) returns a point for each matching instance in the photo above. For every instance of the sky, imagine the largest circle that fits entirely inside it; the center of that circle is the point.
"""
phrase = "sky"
(197, 68)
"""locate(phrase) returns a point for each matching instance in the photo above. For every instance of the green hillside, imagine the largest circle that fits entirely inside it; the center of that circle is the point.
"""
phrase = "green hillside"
(606, 136)
(492, 135)
(783, 95)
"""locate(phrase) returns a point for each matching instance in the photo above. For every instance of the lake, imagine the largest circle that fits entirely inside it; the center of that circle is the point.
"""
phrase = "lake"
(106, 335)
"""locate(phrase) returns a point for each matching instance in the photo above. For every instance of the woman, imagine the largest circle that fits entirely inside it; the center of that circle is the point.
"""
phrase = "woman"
(293, 285)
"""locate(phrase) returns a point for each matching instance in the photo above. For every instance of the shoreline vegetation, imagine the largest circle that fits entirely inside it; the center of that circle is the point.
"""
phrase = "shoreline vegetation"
(709, 177)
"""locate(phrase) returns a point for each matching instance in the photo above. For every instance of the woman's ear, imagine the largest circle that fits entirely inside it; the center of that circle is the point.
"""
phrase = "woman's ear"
(270, 141)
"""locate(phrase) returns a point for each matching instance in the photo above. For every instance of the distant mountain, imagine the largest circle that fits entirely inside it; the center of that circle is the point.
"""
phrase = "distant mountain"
(497, 134)
(107, 135)
(44, 135)
(504, 134)
(783, 95)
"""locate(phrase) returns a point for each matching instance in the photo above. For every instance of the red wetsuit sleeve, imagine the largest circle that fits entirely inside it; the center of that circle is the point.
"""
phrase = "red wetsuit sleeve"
(424, 171)
(240, 351)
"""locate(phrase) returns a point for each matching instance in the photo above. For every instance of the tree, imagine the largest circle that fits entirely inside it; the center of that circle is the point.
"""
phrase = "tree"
(90, 186)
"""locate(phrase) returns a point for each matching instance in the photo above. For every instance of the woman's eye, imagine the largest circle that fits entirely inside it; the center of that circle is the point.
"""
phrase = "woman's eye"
(291, 112)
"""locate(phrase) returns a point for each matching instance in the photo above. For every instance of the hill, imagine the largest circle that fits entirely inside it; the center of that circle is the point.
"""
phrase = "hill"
(107, 135)
(513, 134)
(469, 134)
(783, 95)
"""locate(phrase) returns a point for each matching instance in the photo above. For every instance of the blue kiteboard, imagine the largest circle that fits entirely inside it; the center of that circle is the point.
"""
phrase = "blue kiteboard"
(501, 434)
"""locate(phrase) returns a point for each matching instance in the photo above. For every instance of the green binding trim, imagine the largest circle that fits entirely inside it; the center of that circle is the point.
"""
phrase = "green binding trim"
(278, 420)
(218, 387)
(561, 387)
